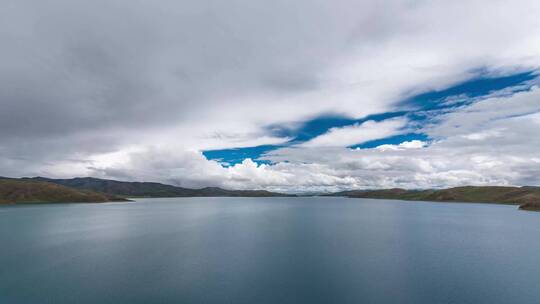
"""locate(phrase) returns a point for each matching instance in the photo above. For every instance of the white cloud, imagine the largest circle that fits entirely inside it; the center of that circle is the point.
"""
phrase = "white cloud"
(485, 148)
(357, 133)
(413, 144)
(83, 92)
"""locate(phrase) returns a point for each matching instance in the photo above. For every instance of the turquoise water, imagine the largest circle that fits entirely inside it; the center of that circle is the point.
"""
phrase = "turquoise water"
(269, 250)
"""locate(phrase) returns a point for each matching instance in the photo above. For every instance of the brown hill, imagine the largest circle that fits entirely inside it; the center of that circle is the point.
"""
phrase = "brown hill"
(149, 189)
(27, 191)
(528, 197)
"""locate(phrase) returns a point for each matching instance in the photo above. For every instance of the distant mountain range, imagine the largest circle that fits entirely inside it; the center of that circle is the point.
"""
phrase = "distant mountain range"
(88, 189)
(527, 197)
(147, 189)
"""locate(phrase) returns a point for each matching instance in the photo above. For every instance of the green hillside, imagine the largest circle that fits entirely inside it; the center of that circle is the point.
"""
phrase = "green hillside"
(528, 197)
(28, 191)
(149, 189)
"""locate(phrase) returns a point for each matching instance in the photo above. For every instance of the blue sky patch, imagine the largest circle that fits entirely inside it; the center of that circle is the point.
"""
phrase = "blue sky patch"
(469, 89)
(231, 157)
(416, 109)
(320, 125)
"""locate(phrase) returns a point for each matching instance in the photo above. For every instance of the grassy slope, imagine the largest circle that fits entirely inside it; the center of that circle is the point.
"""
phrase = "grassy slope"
(27, 191)
(529, 196)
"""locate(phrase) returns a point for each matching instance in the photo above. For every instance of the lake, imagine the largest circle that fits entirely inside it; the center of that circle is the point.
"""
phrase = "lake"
(269, 250)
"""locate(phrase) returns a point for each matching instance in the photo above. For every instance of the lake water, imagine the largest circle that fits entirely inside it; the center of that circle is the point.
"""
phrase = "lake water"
(269, 250)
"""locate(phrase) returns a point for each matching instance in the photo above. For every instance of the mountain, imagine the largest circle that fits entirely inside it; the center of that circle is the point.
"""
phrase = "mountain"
(88, 189)
(29, 191)
(148, 189)
(527, 197)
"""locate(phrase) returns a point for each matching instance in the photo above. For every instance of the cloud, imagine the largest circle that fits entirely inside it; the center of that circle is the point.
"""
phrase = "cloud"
(358, 133)
(413, 144)
(479, 147)
(135, 89)
(487, 151)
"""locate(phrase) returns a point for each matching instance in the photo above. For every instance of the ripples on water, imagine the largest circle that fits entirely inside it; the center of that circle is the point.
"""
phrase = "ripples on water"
(269, 250)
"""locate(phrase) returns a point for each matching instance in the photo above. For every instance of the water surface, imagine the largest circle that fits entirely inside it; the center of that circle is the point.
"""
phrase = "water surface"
(269, 250)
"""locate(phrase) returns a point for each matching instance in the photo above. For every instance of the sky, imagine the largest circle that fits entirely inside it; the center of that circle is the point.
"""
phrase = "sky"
(291, 96)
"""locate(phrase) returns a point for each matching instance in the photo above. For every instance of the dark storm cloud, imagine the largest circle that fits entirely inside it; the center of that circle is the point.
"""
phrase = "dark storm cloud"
(77, 73)
(73, 70)
(70, 66)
